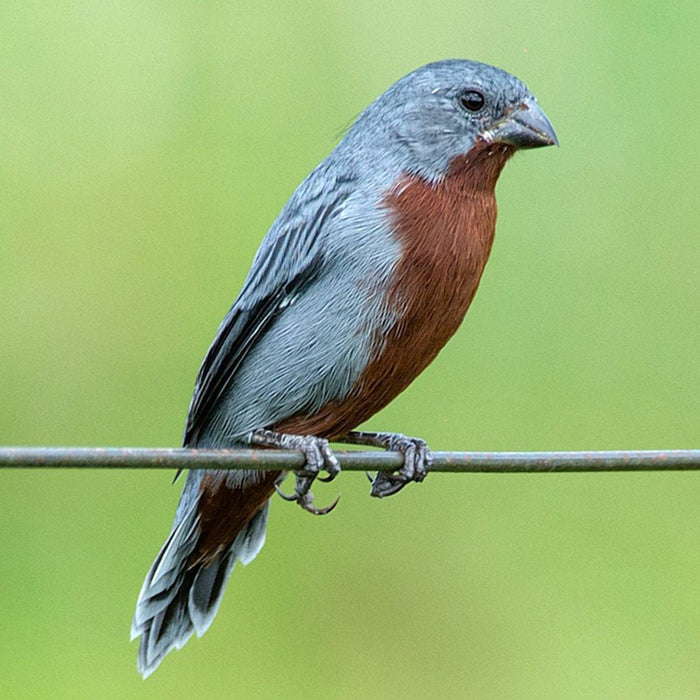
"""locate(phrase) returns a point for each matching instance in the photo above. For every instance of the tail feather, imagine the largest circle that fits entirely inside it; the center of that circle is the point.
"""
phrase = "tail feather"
(251, 538)
(167, 565)
(176, 599)
(206, 591)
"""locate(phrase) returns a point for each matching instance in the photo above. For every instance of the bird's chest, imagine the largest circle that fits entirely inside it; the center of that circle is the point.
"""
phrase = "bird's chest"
(446, 236)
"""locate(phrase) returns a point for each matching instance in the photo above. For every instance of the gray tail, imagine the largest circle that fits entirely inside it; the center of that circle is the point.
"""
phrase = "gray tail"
(177, 599)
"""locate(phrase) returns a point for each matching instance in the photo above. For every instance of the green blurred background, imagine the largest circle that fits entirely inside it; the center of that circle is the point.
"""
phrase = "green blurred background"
(145, 148)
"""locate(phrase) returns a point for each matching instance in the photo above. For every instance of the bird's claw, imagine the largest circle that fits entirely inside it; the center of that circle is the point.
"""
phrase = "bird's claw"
(417, 462)
(386, 484)
(306, 501)
(329, 478)
(318, 457)
(287, 496)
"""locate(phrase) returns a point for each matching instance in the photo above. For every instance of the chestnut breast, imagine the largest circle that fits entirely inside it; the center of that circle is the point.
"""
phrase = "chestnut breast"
(446, 230)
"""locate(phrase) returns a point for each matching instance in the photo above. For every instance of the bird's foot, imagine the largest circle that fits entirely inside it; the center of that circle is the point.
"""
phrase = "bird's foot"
(416, 460)
(318, 457)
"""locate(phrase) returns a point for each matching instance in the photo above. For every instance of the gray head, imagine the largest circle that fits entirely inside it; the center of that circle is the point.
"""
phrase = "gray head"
(439, 111)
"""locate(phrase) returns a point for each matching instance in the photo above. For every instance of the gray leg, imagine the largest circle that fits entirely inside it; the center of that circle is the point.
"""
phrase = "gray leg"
(416, 456)
(318, 457)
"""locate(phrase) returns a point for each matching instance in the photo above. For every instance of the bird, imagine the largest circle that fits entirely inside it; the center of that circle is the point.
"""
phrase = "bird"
(365, 274)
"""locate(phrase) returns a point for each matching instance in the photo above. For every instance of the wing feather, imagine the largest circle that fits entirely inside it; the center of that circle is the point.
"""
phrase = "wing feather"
(287, 260)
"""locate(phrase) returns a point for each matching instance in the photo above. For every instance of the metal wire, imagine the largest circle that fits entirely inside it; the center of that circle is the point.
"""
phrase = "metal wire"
(492, 462)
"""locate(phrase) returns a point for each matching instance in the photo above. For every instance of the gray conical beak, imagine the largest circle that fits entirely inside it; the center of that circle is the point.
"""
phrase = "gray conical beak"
(526, 127)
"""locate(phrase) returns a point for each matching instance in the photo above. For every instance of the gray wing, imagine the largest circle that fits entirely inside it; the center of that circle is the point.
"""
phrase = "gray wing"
(288, 259)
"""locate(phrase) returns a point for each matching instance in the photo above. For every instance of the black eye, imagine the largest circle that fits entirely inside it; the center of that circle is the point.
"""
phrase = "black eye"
(472, 100)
